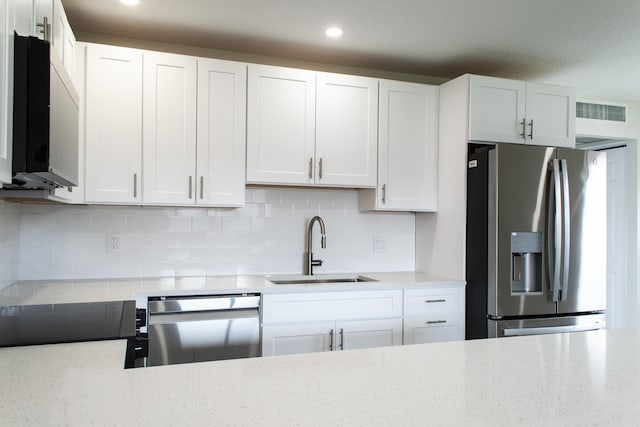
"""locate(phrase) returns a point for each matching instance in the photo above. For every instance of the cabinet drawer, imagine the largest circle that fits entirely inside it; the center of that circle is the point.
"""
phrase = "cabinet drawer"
(433, 329)
(421, 302)
(305, 307)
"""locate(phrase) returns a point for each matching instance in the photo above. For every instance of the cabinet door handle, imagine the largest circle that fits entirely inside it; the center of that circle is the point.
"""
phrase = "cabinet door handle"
(45, 29)
(201, 187)
(331, 340)
(310, 167)
(135, 185)
(531, 129)
(524, 128)
(384, 194)
(190, 187)
(428, 301)
(435, 322)
(341, 339)
(320, 168)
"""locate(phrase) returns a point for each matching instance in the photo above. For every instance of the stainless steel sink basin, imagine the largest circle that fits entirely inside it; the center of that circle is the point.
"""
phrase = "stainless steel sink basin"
(319, 279)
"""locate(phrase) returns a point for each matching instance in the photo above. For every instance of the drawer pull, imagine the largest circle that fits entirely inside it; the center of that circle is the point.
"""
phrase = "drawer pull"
(435, 322)
(435, 300)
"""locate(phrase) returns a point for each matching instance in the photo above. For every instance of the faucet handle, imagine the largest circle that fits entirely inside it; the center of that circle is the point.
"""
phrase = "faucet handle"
(316, 262)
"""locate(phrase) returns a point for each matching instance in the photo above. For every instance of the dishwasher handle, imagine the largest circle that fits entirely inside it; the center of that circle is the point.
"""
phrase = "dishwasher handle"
(199, 316)
(226, 302)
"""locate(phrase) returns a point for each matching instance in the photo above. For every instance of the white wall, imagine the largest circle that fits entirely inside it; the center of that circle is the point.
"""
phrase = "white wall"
(266, 236)
(9, 242)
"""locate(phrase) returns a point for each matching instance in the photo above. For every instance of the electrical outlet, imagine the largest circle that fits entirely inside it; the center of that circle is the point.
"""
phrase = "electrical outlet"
(379, 245)
(113, 243)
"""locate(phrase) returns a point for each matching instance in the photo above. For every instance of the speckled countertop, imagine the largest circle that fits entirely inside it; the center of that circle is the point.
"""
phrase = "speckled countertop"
(587, 378)
(64, 291)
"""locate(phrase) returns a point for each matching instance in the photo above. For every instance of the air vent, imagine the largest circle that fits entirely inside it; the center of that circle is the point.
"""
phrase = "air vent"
(612, 113)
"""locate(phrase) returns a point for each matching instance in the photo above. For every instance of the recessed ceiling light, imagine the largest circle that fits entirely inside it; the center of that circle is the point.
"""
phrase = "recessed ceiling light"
(334, 32)
(130, 2)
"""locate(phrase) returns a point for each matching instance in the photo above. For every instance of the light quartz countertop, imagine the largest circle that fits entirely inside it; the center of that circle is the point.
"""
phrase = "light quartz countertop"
(583, 378)
(90, 290)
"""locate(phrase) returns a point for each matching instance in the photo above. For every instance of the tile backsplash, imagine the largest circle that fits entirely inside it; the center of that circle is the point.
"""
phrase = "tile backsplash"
(266, 236)
(9, 242)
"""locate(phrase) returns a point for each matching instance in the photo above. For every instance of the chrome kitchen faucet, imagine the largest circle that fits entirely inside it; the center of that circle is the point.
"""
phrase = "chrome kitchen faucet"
(309, 261)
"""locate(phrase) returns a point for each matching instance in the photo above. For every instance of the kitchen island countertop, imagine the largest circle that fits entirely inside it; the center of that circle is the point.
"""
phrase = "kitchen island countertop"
(586, 378)
(91, 290)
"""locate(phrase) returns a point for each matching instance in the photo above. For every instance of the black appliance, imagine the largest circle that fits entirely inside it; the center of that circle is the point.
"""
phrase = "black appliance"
(67, 322)
(45, 118)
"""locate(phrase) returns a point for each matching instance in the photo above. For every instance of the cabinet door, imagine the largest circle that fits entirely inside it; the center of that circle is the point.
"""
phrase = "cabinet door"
(408, 151)
(6, 107)
(436, 328)
(169, 123)
(551, 115)
(368, 333)
(221, 132)
(496, 109)
(76, 195)
(297, 338)
(113, 124)
(280, 125)
(346, 130)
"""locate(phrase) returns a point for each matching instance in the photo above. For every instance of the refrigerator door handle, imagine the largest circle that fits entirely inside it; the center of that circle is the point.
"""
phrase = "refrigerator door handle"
(513, 332)
(554, 273)
(566, 231)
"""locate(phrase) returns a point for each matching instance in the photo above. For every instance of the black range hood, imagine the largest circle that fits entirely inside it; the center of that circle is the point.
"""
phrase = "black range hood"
(45, 119)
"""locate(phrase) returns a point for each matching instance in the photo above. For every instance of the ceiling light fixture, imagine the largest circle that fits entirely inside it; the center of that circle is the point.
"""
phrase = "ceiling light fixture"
(130, 2)
(334, 32)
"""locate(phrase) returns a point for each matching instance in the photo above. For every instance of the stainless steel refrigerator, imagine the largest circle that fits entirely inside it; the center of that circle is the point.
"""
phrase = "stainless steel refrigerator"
(536, 240)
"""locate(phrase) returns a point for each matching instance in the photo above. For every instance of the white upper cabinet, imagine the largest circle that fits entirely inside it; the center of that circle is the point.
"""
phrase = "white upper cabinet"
(308, 128)
(169, 123)
(113, 125)
(503, 110)
(496, 109)
(346, 130)
(551, 115)
(280, 125)
(407, 150)
(221, 132)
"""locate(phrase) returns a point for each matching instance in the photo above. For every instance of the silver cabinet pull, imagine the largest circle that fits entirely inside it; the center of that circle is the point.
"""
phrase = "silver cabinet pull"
(201, 187)
(331, 340)
(45, 29)
(341, 339)
(190, 187)
(524, 128)
(531, 129)
(320, 169)
(435, 322)
(434, 300)
(384, 194)
(310, 167)
(135, 185)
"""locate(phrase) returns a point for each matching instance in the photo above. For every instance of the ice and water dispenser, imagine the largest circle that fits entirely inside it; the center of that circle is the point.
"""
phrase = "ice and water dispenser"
(526, 263)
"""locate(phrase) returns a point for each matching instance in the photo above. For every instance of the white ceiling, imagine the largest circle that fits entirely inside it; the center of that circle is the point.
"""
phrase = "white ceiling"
(592, 45)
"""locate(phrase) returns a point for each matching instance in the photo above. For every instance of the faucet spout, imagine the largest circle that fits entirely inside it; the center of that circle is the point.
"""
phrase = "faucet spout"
(309, 261)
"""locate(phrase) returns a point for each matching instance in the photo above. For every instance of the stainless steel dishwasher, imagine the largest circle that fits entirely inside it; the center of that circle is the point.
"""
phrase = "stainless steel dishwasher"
(188, 329)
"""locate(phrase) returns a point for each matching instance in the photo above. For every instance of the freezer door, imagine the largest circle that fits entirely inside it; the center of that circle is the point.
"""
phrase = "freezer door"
(550, 325)
(517, 280)
(586, 289)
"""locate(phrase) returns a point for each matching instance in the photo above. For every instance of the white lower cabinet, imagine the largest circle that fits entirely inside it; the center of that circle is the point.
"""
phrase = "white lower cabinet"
(328, 321)
(433, 315)
(294, 338)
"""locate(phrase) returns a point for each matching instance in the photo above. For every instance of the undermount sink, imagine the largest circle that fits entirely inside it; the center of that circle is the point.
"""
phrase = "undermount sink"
(319, 279)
